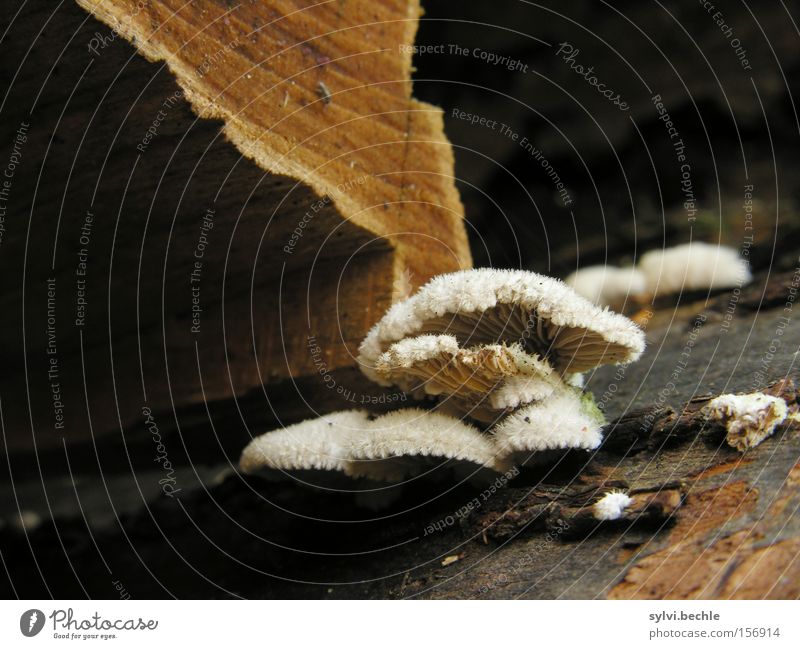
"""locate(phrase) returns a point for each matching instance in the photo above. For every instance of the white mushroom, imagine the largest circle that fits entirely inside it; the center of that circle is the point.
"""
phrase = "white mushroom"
(403, 443)
(520, 390)
(748, 418)
(693, 266)
(436, 365)
(26, 520)
(389, 448)
(479, 379)
(487, 306)
(535, 382)
(611, 506)
(320, 444)
(607, 285)
(564, 420)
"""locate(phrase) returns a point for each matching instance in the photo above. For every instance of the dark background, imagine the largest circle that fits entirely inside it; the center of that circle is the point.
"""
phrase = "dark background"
(739, 126)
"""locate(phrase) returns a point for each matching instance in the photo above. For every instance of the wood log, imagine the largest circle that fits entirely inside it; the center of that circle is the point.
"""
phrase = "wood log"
(211, 203)
(706, 520)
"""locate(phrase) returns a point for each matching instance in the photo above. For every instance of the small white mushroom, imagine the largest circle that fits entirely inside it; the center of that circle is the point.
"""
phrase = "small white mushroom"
(479, 380)
(693, 266)
(404, 443)
(517, 391)
(608, 285)
(436, 365)
(536, 380)
(320, 444)
(520, 390)
(748, 418)
(611, 506)
(26, 520)
(389, 448)
(564, 420)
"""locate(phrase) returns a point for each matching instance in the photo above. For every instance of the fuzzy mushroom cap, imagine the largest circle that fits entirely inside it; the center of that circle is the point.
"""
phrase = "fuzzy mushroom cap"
(488, 306)
(563, 420)
(748, 418)
(313, 444)
(693, 266)
(520, 390)
(396, 445)
(512, 393)
(389, 448)
(611, 506)
(607, 285)
(479, 381)
(437, 365)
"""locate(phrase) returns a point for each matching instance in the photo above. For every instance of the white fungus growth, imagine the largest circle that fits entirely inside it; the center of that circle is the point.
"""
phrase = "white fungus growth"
(611, 506)
(26, 520)
(488, 306)
(520, 390)
(503, 345)
(693, 266)
(564, 420)
(388, 448)
(536, 381)
(479, 380)
(748, 418)
(420, 348)
(403, 443)
(608, 285)
(402, 286)
(436, 365)
(320, 443)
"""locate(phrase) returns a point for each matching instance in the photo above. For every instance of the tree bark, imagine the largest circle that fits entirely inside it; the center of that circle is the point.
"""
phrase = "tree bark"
(706, 520)
(213, 204)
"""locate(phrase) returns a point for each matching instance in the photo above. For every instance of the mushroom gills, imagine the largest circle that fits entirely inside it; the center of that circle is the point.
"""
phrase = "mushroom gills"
(481, 382)
(460, 372)
(568, 349)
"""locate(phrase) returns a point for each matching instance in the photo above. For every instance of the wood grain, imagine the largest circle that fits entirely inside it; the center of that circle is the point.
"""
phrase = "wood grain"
(186, 128)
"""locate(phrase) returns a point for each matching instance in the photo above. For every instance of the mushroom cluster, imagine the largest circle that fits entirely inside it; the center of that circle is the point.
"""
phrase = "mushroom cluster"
(687, 267)
(498, 357)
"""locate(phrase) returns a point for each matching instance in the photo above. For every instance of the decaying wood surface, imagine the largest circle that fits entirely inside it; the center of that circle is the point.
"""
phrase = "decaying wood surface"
(202, 187)
(706, 520)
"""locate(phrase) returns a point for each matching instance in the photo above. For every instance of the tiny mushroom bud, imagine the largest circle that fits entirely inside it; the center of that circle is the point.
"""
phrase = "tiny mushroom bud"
(607, 285)
(26, 520)
(693, 266)
(611, 506)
